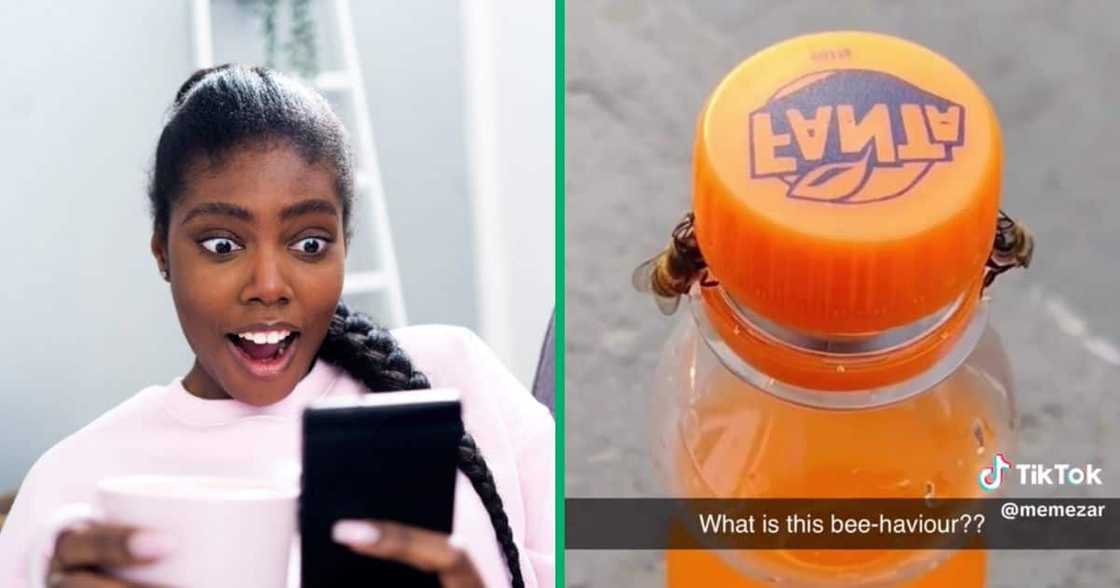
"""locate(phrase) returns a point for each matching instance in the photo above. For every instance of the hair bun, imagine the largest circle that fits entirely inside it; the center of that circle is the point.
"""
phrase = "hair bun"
(195, 78)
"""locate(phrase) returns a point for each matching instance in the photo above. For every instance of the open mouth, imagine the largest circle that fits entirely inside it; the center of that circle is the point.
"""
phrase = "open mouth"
(264, 354)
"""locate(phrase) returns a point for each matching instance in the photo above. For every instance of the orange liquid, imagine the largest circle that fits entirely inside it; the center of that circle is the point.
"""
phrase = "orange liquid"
(966, 569)
(736, 441)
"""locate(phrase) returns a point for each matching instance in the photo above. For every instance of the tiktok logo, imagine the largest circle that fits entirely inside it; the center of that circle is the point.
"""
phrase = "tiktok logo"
(991, 478)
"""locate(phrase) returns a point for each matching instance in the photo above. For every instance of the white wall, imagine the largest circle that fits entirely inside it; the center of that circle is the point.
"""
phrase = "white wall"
(83, 88)
(86, 319)
(510, 55)
(412, 66)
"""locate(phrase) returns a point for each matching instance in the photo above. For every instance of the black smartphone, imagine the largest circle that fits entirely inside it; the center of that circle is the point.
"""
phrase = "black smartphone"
(389, 455)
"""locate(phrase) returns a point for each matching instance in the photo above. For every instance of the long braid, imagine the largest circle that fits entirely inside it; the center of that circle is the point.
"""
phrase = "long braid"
(472, 464)
(370, 354)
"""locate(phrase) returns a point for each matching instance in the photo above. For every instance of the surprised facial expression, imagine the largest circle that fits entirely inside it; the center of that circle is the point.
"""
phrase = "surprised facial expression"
(256, 250)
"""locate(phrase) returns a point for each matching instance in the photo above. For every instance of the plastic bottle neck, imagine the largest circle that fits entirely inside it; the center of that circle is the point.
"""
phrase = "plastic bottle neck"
(839, 371)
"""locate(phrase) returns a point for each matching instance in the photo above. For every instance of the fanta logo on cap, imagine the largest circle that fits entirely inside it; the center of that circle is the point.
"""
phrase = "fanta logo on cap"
(846, 182)
(852, 136)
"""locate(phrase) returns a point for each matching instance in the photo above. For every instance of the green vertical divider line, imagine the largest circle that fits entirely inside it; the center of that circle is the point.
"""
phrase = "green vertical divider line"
(559, 405)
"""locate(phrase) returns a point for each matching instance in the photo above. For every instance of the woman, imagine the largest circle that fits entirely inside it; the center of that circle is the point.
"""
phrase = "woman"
(251, 196)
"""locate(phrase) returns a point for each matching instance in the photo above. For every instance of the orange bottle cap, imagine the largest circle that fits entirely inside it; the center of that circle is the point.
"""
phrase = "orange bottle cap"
(847, 182)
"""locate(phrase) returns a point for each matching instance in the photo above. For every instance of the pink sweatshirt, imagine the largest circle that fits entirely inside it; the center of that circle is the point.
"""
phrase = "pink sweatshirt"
(166, 430)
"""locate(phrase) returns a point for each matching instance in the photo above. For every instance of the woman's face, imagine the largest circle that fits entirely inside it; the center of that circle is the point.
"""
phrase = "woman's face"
(255, 251)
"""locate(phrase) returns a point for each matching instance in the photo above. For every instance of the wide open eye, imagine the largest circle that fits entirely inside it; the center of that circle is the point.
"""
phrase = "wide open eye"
(310, 245)
(221, 245)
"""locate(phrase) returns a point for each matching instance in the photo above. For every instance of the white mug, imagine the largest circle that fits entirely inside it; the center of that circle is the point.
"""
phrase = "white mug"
(226, 532)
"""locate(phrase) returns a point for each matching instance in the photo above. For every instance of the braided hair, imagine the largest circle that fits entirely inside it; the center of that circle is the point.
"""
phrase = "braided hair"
(223, 108)
(370, 354)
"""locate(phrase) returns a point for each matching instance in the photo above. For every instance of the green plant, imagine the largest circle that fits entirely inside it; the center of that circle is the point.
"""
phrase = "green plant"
(300, 46)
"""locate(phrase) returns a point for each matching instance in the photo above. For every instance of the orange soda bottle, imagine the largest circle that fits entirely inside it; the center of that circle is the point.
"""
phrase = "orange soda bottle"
(846, 228)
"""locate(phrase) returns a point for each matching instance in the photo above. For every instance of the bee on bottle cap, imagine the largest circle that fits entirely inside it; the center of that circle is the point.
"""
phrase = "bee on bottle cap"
(1013, 247)
(671, 273)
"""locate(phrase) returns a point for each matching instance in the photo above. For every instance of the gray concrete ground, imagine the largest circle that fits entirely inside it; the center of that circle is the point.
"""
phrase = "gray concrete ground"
(637, 73)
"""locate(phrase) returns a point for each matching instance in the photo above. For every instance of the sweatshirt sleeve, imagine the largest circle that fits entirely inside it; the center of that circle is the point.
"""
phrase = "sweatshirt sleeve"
(40, 511)
(532, 435)
(515, 432)
(537, 471)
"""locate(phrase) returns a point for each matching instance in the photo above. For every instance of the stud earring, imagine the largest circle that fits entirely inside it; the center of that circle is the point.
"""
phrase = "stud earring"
(166, 276)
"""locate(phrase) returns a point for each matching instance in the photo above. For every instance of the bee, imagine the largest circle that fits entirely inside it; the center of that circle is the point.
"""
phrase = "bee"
(671, 273)
(1013, 247)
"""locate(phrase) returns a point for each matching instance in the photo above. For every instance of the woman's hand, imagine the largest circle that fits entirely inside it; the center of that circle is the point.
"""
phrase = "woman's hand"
(80, 555)
(420, 548)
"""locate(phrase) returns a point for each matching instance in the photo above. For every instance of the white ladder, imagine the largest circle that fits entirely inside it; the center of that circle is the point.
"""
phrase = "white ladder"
(367, 177)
